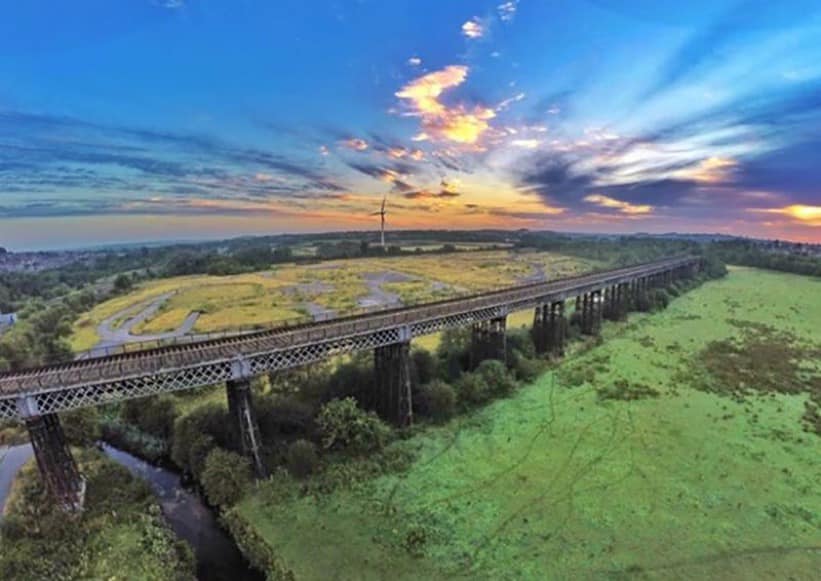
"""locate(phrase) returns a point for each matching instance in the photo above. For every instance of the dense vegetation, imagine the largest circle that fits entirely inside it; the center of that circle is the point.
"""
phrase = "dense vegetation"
(120, 535)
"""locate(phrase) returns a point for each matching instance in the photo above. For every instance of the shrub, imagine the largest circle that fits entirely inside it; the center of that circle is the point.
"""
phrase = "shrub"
(423, 366)
(206, 426)
(154, 415)
(473, 389)
(345, 426)
(301, 458)
(283, 416)
(525, 368)
(82, 427)
(453, 352)
(226, 477)
(499, 380)
(438, 400)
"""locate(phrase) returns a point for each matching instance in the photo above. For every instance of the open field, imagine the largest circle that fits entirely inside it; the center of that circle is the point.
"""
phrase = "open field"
(289, 292)
(639, 458)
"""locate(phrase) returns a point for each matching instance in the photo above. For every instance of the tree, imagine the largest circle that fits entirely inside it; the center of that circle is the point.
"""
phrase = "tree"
(82, 426)
(347, 427)
(438, 400)
(226, 477)
(122, 283)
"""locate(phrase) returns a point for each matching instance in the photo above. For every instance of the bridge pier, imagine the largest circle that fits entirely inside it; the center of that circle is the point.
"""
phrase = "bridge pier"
(489, 341)
(55, 462)
(393, 383)
(241, 410)
(591, 312)
(549, 328)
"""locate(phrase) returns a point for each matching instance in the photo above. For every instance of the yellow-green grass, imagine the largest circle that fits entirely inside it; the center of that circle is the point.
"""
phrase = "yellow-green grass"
(259, 299)
(556, 483)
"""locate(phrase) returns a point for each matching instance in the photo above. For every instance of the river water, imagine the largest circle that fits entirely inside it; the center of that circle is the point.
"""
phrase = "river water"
(218, 558)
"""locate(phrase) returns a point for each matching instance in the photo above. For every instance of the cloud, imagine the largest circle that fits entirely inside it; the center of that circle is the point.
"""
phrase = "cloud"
(356, 144)
(473, 28)
(808, 215)
(414, 61)
(459, 123)
(507, 10)
(621, 206)
(526, 143)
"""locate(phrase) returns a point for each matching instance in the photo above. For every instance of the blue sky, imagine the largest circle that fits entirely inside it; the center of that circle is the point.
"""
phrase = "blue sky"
(184, 119)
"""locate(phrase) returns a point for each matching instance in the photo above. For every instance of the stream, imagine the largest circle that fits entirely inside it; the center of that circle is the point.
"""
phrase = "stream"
(218, 558)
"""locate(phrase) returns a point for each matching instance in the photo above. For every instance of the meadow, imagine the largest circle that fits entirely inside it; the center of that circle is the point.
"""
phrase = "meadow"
(642, 457)
(294, 291)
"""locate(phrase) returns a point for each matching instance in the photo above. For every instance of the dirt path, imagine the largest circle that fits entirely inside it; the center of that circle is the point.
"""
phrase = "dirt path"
(136, 314)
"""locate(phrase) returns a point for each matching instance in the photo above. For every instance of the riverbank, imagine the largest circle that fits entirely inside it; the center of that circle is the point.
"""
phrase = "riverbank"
(632, 458)
(121, 534)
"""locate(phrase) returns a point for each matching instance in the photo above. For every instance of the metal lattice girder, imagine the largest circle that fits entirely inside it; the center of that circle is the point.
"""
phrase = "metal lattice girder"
(99, 380)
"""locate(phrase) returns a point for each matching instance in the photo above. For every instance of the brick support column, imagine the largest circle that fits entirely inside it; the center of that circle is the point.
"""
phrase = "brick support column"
(393, 383)
(244, 421)
(57, 467)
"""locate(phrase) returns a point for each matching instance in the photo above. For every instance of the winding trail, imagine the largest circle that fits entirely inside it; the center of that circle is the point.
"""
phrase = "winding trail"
(114, 337)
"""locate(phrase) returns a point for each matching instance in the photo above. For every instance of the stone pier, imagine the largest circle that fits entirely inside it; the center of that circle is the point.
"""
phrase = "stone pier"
(393, 383)
(246, 429)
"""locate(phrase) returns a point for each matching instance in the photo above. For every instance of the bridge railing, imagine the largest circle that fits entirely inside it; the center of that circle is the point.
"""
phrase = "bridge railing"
(285, 336)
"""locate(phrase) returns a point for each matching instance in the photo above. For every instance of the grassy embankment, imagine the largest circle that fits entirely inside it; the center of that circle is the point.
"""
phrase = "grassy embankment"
(641, 457)
(120, 535)
(230, 302)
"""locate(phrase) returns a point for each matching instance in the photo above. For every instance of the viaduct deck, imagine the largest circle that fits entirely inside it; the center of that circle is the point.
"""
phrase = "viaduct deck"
(99, 380)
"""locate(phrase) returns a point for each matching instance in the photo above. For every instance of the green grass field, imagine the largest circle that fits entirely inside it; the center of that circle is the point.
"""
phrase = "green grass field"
(567, 480)
(232, 302)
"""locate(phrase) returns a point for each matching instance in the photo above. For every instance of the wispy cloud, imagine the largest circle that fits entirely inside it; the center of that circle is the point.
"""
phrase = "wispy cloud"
(507, 10)
(621, 206)
(356, 144)
(808, 215)
(459, 123)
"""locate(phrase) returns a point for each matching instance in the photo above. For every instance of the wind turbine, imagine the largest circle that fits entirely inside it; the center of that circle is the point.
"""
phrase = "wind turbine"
(381, 213)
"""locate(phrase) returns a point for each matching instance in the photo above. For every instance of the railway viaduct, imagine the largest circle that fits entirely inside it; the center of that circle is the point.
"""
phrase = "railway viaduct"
(36, 395)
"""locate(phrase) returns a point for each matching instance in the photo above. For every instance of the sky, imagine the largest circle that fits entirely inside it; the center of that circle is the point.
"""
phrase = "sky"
(191, 119)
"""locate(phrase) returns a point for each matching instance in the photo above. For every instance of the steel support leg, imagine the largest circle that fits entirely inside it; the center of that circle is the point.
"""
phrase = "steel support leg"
(489, 341)
(393, 383)
(556, 328)
(241, 410)
(54, 459)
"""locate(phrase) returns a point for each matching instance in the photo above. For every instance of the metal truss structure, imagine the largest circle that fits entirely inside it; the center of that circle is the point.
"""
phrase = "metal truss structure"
(99, 380)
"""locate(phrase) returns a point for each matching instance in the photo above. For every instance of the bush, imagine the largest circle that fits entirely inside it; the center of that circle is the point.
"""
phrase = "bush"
(525, 368)
(283, 416)
(453, 352)
(206, 426)
(226, 477)
(473, 389)
(499, 380)
(301, 458)
(423, 366)
(345, 426)
(438, 400)
(82, 427)
(154, 415)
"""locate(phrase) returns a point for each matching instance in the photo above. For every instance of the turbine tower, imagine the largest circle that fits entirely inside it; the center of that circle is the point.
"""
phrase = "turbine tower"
(381, 213)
